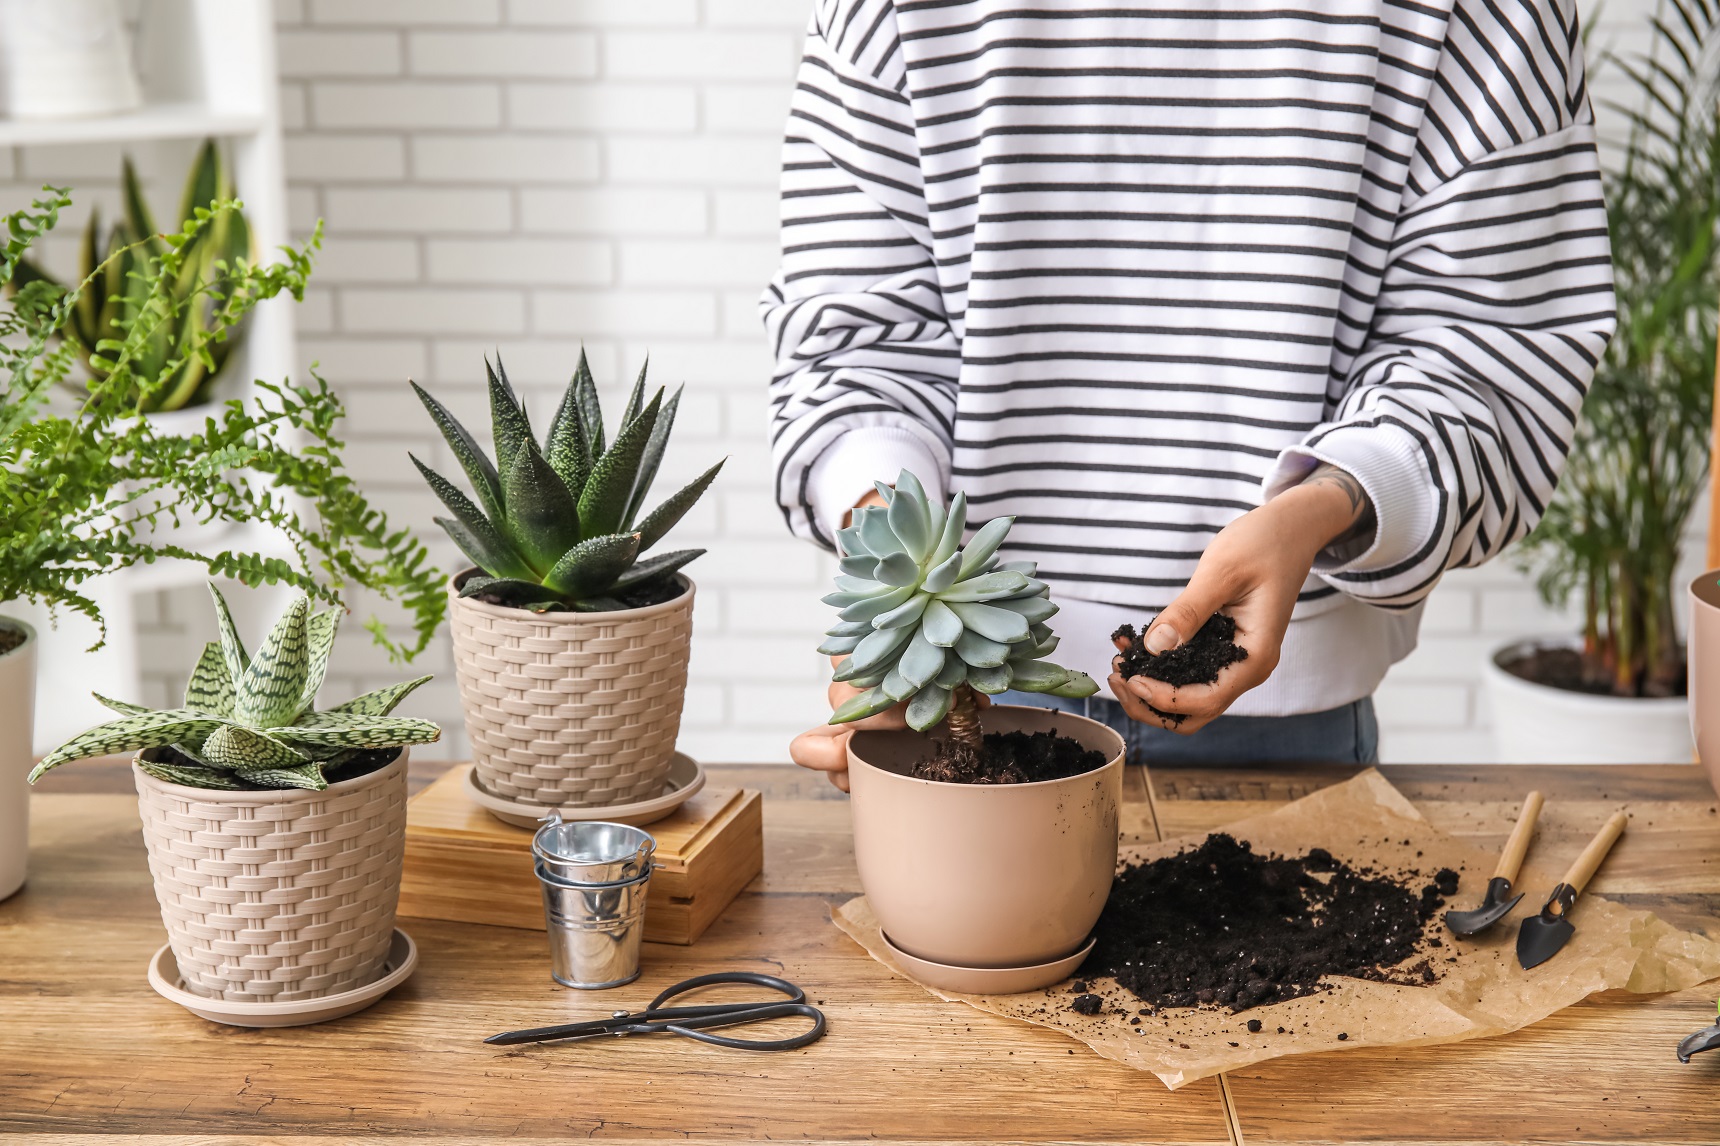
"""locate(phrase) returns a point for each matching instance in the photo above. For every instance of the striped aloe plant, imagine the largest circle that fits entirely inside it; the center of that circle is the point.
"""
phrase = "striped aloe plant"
(248, 722)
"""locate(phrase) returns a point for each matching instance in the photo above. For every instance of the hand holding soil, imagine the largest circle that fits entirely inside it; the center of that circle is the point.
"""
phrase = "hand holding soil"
(1252, 570)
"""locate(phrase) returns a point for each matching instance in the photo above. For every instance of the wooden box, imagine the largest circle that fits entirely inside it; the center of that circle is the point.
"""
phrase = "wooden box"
(463, 864)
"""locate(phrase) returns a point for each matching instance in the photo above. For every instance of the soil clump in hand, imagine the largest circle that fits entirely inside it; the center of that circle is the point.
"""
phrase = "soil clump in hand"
(1221, 924)
(1198, 661)
(1008, 758)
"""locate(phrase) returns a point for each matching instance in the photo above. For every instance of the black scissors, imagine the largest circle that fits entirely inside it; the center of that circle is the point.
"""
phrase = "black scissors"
(694, 1022)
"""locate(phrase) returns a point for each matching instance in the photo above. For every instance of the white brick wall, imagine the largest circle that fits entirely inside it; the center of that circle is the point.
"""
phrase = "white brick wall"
(523, 175)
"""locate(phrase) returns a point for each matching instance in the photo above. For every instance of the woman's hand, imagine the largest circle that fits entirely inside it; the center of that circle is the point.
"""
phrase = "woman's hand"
(1253, 571)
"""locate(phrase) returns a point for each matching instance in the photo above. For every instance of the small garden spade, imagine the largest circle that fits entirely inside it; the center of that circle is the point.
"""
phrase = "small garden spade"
(1543, 935)
(1499, 901)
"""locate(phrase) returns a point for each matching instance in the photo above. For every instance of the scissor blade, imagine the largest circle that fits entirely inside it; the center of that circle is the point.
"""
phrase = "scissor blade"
(559, 1031)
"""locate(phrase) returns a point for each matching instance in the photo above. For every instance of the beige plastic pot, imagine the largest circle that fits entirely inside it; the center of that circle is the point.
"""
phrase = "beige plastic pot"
(985, 875)
(572, 710)
(278, 895)
(1702, 651)
(17, 709)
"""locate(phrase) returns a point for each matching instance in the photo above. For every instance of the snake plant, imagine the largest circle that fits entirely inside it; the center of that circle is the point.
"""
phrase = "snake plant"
(559, 527)
(928, 621)
(248, 721)
(116, 286)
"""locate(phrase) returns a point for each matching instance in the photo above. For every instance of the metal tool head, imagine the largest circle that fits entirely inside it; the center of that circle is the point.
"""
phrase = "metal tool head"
(1542, 935)
(1495, 905)
(1708, 1038)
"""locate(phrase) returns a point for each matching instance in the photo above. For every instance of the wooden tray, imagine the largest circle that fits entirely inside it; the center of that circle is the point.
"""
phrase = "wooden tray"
(463, 864)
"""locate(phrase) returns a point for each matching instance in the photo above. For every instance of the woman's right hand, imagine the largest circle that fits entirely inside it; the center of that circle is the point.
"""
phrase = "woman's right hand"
(825, 748)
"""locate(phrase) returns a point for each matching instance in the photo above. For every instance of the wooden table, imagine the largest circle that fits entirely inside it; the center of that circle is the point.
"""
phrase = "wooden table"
(87, 1049)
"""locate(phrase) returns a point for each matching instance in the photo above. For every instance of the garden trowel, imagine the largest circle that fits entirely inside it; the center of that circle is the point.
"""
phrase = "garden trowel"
(1499, 901)
(1708, 1038)
(1543, 935)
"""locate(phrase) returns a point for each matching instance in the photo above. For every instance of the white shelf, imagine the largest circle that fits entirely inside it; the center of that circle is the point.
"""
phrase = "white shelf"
(159, 121)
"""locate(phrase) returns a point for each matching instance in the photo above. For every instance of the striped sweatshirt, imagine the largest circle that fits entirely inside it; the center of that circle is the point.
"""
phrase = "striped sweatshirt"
(1124, 272)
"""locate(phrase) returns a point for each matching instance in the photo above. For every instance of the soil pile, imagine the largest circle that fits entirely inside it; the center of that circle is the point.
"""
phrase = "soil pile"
(1197, 661)
(1008, 758)
(1221, 924)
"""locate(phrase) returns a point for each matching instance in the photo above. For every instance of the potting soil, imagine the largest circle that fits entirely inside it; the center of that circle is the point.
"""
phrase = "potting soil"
(1197, 661)
(1008, 758)
(1223, 924)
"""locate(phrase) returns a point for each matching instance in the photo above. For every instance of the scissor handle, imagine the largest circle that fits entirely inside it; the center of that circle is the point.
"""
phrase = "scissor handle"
(744, 978)
(693, 1027)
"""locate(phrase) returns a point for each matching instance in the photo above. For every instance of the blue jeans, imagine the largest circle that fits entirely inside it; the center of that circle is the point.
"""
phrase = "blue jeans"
(1345, 735)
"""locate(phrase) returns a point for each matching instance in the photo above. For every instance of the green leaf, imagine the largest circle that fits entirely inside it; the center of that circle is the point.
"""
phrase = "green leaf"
(319, 632)
(508, 425)
(954, 672)
(664, 518)
(593, 565)
(247, 750)
(951, 538)
(985, 587)
(1034, 609)
(308, 776)
(880, 649)
(190, 775)
(921, 660)
(653, 456)
(590, 412)
(904, 614)
(1039, 676)
(990, 681)
(875, 531)
(943, 575)
(942, 627)
(930, 705)
(980, 652)
(232, 649)
(543, 521)
(567, 448)
(655, 568)
(636, 400)
(490, 552)
(869, 608)
(991, 622)
(352, 730)
(515, 592)
(381, 701)
(604, 499)
(838, 646)
(898, 569)
(210, 688)
(910, 517)
(984, 544)
(862, 705)
(494, 552)
(268, 693)
(122, 707)
(145, 730)
(1077, 686)
(480, 471)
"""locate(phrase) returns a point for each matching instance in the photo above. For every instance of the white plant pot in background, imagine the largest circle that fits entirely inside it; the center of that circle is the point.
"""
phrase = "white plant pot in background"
(17, 703)
(65, 59)
(1536, 724)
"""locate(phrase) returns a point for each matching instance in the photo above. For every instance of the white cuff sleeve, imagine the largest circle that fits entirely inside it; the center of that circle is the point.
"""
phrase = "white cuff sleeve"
(1392, 471)
(845, 471)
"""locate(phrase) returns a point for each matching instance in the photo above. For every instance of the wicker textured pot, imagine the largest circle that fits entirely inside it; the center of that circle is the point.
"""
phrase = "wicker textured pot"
(277, 895)
(575, 710)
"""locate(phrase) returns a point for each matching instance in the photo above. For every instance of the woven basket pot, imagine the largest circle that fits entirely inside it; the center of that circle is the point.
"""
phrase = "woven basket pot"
(277, 895)
(572, 710)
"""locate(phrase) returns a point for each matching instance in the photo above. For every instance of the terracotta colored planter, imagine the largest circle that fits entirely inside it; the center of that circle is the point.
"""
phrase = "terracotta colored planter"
(983, 875)
(277, 895)
(572, 710)
(17, 709)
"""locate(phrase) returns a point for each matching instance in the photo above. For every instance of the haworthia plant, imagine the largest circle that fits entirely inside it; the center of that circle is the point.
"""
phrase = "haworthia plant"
(557, 526)
(924, 620)
(248, 721)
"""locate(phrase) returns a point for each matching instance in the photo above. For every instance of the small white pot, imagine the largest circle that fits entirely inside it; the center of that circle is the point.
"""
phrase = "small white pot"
(17, 706)
(1537, 724)
(65, 59)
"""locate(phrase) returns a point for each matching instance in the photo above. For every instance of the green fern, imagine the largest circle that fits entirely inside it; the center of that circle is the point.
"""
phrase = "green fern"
(255, 728)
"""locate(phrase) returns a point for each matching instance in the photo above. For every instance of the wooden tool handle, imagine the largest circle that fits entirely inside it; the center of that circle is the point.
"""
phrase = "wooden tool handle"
(1583, 868)
(1511, 859)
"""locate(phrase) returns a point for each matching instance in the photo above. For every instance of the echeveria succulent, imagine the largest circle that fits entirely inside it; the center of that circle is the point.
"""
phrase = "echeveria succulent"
(249, 721)
(924, 619)
(561, 524)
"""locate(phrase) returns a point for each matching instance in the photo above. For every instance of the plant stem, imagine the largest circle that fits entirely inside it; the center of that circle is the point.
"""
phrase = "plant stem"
(963, 719)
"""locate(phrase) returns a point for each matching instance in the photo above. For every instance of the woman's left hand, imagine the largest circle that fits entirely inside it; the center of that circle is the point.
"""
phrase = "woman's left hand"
(1253, 570)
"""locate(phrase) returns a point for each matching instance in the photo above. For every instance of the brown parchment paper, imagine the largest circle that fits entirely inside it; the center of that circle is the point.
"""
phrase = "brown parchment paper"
(1482, 991)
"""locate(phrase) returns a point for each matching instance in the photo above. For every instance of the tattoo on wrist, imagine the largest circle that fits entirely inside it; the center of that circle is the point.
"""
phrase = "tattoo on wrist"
(1361, 508)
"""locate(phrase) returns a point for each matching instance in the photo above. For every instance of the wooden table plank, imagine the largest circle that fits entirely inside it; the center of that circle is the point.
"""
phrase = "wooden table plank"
(1603, 1071)
(90, 1049)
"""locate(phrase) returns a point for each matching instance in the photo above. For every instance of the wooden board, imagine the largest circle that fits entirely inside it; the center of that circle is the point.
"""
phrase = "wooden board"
(465, 866)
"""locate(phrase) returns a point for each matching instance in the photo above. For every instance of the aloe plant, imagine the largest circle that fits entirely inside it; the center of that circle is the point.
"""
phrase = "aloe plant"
(560, 525)
(930, 622)
(250, 722)
(116, 287)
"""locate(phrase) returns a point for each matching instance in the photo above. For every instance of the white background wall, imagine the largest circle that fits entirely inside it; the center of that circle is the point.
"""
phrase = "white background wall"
(522, 175)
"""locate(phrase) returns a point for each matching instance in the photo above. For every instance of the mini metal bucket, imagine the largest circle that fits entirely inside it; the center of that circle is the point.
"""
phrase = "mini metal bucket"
(595, 926)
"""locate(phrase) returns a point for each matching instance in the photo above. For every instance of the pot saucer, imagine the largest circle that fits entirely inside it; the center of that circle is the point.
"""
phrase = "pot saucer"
(686, 777)
(165, 978)
(986, 980)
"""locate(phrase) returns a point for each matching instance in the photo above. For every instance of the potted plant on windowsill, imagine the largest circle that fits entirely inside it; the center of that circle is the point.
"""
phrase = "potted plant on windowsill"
(991, 846)
(275, 830)
(83, 484)
(570, 646)
(1613, 535)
